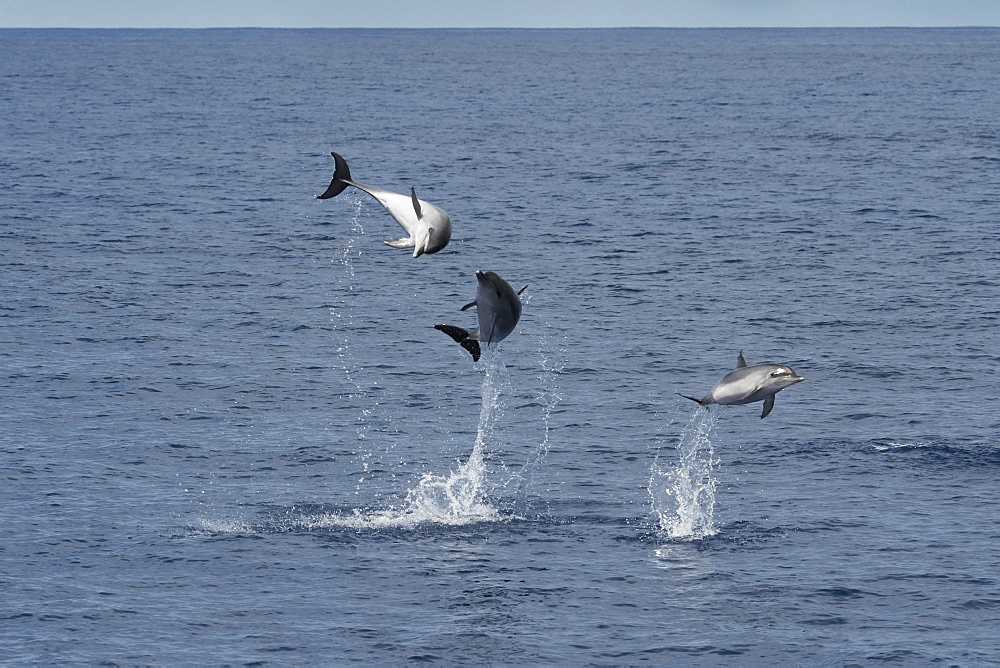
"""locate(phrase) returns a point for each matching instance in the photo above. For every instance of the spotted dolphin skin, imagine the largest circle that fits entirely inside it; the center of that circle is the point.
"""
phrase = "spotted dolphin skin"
(498, 308)
(748, 384)
(428, 227)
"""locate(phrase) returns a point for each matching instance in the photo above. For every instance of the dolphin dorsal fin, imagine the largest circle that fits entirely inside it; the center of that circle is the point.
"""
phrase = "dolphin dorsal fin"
(740, 362)
(416, 203)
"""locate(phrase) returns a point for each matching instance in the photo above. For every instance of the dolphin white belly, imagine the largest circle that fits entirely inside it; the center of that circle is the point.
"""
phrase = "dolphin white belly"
(428, 227)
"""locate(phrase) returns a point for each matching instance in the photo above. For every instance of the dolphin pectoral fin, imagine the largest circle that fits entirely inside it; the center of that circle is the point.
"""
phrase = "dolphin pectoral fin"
(468, 306)
(462, 337)
(740, 362)
(697, 401)
(416, 203)
(341, 174)
(768, 405)
(522, 290)
(400, 243)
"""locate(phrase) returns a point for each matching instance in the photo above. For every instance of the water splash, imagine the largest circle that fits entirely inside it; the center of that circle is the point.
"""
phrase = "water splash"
(553, 353)
(342, 310)
(465, 495)
(460, 497)
(683, 496)
(342, 316)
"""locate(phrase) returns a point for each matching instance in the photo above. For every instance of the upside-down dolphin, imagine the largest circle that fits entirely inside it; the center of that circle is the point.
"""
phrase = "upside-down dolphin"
(428, 226)
(748, 384)
(498, 308)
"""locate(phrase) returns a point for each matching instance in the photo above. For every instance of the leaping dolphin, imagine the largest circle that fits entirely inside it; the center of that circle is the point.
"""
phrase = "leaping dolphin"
(428, 226)
(498, 308)
(748, 384)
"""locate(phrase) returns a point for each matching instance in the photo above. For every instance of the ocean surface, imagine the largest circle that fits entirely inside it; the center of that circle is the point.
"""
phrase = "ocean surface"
(232, 436)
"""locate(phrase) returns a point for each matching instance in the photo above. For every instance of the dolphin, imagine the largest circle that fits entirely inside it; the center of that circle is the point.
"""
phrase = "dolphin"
(748, 384)
(498, 308)
(428, 226)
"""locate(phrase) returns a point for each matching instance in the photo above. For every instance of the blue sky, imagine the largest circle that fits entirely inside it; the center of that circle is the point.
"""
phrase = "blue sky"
(493, 13)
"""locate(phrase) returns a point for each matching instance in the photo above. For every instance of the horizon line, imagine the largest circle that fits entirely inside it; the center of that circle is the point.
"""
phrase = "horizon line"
(624, 27)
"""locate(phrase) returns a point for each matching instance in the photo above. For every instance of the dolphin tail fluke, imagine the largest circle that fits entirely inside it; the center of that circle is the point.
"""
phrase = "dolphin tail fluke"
(341, 176)
(697, 401)
(336, 187)
(462, 337)
(454, 332)
(768, 405)
(473, 348)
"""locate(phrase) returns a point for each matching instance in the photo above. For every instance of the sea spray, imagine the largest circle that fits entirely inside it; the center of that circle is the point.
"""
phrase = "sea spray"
(342, 310)
(683, 495)
(342, 317)
(460, 497)
(553, 361)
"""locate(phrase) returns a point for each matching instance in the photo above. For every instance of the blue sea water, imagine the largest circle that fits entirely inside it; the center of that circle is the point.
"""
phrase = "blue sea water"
(231, 434)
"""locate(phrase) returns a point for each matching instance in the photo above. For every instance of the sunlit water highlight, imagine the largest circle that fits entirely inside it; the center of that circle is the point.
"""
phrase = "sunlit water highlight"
(683, 495)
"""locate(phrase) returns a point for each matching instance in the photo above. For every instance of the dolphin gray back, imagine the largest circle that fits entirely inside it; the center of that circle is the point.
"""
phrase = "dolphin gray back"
(498, 307)
(749, 384)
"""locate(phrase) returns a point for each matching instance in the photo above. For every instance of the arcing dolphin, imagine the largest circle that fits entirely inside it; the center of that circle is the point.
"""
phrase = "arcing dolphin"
(428, 226)
(498, 309)
(748, 384)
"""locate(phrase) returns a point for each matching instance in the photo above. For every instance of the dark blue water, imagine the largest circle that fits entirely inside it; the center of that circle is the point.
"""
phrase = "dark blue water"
(231, 434)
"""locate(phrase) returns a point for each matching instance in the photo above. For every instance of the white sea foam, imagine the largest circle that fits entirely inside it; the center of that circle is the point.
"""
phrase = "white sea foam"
(225, 526)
